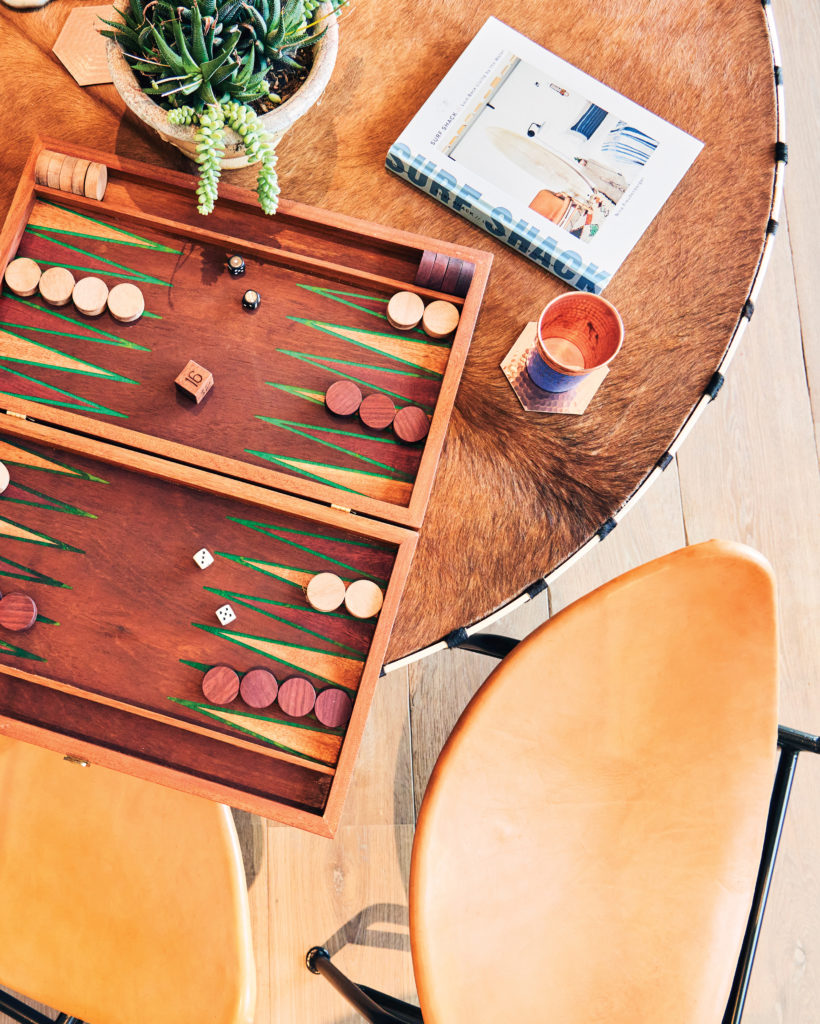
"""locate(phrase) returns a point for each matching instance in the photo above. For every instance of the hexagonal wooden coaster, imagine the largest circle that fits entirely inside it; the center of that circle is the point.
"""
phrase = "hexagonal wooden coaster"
(533, 398)
(81, 48)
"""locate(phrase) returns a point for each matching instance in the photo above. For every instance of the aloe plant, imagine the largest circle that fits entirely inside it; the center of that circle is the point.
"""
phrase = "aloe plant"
(207, 63)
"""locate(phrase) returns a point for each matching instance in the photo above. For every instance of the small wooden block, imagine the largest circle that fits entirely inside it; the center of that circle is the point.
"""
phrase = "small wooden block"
(195, 381)
(258, 688)
(66, 173)
(333, 707)
(96, 181)
(428, 258)
(17, 612)
(23, 276)
(325, 592)
(411, 424)
(125, 303)
(377, 411)
(465, 278)
(220, 684)
(439, 270)
(55, 165)
(90, 295)
(343, 398)
(440, 319)
(78, 177)
(5, 478)
(404, 310)
(297, 696)
(363, 599)
(81, 48)
(57, 286)
(451, 275)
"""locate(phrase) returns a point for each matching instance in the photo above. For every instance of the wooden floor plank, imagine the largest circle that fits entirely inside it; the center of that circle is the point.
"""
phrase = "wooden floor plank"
(748, 472)
(799, 32)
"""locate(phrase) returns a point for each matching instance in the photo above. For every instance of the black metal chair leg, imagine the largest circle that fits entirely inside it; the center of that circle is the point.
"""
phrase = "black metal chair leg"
(375, 1007)
(20, 1011)
(493, 645)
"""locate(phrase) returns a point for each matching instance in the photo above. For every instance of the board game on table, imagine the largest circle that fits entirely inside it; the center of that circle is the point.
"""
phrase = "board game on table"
(118, 477)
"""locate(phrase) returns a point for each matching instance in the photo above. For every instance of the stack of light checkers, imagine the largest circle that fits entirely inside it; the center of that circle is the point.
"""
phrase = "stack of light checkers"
(444, 273)
(438, 319)
(90, 295)
(327, 592)
(377, 411)
(71, 174)
(296, 696)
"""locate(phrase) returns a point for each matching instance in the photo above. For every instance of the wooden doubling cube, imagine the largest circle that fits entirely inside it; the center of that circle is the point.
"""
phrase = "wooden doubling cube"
(195, 381)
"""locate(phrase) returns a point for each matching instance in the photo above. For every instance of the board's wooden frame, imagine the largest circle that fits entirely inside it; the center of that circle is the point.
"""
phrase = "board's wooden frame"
(225, 477)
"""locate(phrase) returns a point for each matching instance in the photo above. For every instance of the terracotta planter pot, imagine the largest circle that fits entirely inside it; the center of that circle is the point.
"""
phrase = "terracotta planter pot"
(276, 121)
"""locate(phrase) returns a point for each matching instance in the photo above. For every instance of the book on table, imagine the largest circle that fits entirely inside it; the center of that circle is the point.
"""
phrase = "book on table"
(542, 156)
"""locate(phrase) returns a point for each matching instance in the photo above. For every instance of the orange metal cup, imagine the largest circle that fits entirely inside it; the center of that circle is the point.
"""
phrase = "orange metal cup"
(577, 333)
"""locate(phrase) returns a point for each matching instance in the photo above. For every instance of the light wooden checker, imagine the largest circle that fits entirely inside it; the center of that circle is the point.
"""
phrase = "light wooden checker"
(57, 286)
(363, 599)
(23, 276)
(325, 592)
(126, 303)
(440, 319)
(405, 310)
(96, 181)
(90, 295)
(5, 478)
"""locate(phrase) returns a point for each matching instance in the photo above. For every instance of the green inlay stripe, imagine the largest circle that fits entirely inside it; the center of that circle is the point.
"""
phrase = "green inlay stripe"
(294, 429)
(235, 638)
(334, 295)
(47, 622)
(29, 575)
(274, 531)
(102, 337)
(317, 397)
(145, 243)
(94, 371)
(329, 430)
(83, 404)
(257, 566)
(200, 666)
(18, 652)
(46, 541)
(123, 270)
(329, 329)
(277, 460)
(64, 466)
(50, 503)
(249, 601)
(331, 362)
(249, 713)
(203, 710)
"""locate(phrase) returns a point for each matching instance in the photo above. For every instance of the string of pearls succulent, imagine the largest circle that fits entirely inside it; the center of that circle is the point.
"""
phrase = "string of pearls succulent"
(210, 147)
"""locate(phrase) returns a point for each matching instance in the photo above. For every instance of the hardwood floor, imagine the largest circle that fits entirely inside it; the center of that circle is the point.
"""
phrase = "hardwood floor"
(749, 471)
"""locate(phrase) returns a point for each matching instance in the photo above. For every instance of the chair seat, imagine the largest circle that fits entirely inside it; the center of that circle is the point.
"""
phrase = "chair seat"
(120, 901)
(588, 844)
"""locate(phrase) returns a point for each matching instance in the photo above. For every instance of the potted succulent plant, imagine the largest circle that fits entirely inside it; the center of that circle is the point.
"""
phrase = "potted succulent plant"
(217, 75)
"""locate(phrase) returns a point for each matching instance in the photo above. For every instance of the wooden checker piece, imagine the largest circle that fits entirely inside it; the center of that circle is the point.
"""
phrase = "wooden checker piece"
(90, 295)
(333, 707)
(325, 592)
(411, 424)
(439, 270)
(465, 279)
(126, 303)
(363, 599)
(78, 176)
(220, 684)
(5, 478)
(41, 167)
(440, 319)
(297, 696)
(55, 165)
(17, 612)
(451, 275)
(343, 398)
(66, 173)
(428, 258)
(377, 411)
(96, 181)
(22, 276)
(405, 310)
(56, 286)
(258, 688)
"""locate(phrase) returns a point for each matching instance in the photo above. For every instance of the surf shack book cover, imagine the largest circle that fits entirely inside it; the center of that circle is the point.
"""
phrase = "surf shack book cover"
(542, 156)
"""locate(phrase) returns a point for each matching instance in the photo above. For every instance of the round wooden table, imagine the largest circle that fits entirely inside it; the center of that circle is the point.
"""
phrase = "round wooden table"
(517, 493)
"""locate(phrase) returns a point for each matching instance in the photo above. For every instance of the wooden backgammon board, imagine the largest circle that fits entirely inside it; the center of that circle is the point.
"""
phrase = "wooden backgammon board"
(119, 475)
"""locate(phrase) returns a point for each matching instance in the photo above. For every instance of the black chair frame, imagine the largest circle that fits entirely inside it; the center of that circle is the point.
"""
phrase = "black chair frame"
(378, 1008)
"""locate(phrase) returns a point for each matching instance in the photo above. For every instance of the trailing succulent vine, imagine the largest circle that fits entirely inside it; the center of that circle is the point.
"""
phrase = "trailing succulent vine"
(207, 62)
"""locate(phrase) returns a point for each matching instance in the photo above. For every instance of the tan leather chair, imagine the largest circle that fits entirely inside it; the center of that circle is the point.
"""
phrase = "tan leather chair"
(589, 844)
(121, 902)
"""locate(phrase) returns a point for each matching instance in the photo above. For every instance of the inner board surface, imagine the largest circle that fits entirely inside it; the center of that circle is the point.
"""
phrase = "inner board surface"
(125, 612)
(271, 368)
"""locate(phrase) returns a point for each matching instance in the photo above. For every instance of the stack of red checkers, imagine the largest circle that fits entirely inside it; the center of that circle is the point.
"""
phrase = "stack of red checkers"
(442, 273)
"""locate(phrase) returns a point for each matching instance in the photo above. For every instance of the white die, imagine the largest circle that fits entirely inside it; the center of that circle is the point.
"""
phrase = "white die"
(225, 614)
(203, 558)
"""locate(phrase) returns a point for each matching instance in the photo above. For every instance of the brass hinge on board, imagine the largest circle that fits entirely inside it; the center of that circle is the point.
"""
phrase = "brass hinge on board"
(16, 415)
(77, 760)
(340, 508)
